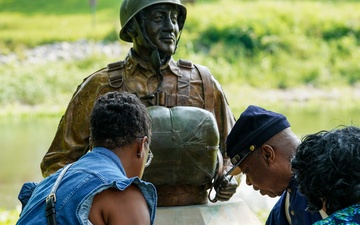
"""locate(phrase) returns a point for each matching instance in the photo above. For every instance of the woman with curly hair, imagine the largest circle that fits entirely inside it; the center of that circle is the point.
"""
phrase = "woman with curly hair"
(327, 167)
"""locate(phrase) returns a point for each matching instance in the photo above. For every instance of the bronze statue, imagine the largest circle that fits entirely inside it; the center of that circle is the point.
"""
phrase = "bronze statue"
(163, 85)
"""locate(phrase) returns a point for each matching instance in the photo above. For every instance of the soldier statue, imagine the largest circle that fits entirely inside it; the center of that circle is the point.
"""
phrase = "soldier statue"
(191, 117)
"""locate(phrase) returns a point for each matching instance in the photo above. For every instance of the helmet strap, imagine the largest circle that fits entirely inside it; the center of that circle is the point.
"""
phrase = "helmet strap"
(177, 41)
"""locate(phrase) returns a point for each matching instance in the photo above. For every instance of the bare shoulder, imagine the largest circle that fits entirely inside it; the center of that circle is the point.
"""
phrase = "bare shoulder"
(113, 206)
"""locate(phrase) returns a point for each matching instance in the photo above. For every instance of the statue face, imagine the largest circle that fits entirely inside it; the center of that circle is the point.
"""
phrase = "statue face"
(161, 25)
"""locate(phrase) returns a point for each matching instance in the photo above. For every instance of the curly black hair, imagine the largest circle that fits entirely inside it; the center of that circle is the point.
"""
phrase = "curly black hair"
(327, 167)
(117, 119)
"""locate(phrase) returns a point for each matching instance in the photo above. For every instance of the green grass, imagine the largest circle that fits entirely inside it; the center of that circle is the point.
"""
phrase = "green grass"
(255, 45)
(278, 44)
(9, 216)
(26, 24)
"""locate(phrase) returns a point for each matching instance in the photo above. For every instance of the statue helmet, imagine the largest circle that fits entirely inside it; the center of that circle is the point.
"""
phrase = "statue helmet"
(129, 8)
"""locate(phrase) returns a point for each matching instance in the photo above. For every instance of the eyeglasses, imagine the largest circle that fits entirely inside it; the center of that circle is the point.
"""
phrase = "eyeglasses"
(149, 159)
(150, 154)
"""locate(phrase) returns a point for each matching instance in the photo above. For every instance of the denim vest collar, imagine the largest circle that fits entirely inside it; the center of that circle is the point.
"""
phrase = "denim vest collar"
(111, 155)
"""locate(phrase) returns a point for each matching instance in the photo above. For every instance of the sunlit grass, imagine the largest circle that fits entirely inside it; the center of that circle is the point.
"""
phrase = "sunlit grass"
(292, 48)
(266, 44)
(26, 24)
(9, 216)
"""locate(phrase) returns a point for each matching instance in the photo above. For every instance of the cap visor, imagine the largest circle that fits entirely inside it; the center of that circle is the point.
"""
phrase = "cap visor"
(236, 171)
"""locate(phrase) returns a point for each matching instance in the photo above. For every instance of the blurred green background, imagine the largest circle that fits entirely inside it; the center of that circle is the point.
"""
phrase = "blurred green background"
(300, 58)
(257, 44)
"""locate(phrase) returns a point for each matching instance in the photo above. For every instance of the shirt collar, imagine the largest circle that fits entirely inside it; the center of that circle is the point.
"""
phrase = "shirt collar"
(132, 61)
(111, 155)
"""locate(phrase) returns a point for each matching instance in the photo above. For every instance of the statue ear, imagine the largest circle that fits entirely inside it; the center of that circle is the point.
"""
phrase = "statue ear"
(130, 29)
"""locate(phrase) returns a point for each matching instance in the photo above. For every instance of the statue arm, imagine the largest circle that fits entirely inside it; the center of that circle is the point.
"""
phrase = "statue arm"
(225, 187)
(224, 117)
(71, 140)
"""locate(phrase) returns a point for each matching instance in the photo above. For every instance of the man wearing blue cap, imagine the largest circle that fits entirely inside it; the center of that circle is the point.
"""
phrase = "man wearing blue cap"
(261, 146)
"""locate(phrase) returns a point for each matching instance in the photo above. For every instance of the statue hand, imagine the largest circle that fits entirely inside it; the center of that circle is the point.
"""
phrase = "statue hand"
(225, 188)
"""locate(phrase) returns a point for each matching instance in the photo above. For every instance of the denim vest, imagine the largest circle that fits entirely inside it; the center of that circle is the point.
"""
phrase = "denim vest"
(96, 171)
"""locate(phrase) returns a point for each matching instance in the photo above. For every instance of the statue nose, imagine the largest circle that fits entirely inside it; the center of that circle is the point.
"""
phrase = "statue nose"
(169, 24)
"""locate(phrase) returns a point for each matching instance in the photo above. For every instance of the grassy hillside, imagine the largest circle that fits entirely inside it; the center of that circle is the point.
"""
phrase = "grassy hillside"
(26, 24)
(277, 44)
(258, 44)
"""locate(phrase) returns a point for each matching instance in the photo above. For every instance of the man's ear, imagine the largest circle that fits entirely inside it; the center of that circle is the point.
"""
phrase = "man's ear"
(268, 154)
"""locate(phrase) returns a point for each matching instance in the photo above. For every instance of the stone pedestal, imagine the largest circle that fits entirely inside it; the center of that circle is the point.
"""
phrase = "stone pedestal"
(233, 212)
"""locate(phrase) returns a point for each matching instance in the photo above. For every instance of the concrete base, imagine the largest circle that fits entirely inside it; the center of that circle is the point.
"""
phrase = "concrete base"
(233, 212)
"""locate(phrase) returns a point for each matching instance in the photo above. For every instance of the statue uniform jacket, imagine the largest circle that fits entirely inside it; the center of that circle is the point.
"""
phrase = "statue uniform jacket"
(297, 209)
(182, 84)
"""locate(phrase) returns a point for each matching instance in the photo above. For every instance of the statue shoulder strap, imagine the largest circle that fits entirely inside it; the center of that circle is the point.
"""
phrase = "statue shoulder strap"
(183, 91)
(115, 71)
(208, 86)
(207, 79)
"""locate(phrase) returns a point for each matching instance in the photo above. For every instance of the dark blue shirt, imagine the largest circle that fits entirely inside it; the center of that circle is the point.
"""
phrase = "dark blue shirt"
(297, 209)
